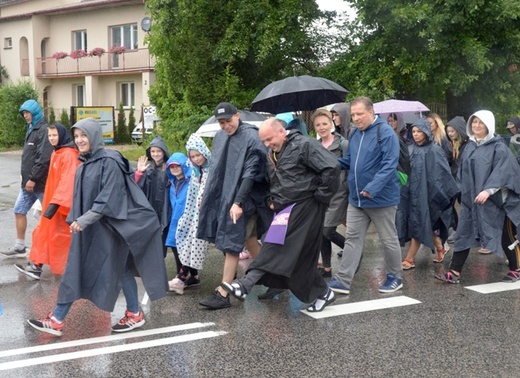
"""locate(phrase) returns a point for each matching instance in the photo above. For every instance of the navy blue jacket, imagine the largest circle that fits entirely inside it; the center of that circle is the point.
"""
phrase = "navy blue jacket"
(372, 166)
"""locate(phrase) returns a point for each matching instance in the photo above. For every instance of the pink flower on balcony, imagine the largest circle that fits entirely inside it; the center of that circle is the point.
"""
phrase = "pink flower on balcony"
(78, 54)
(60, 55)
(97, 51)
(117, 49)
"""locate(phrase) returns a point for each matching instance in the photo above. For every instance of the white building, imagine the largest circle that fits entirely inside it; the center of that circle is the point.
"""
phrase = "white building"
(32, 32)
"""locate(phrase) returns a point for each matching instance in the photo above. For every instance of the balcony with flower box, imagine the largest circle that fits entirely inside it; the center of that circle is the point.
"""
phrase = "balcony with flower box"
(117, 60)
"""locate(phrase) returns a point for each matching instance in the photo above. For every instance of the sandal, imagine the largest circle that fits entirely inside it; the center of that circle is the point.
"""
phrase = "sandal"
(321, 302)
(408, 264)
(448, 277)
(235, 289)
(440, 255)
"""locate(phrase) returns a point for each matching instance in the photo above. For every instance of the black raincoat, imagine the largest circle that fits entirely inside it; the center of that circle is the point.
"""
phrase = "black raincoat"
(487, 165)
(154, 183)
(306, 174)
(431, 189)
(234, 158)
(128, 229)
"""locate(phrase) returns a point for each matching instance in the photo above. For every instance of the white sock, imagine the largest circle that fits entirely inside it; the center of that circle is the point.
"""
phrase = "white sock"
(56, 319)
(19, 244)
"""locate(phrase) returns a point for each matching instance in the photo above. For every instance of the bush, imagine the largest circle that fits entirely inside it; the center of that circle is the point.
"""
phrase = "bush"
(122, 135)
(131, 121)
(64, 119)
(52, 115)
(13, 127)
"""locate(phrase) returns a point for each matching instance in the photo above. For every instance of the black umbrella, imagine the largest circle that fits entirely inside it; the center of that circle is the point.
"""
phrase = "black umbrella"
(298, 93)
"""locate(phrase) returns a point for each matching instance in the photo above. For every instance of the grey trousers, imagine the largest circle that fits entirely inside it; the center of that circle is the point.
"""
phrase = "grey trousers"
(358, 221)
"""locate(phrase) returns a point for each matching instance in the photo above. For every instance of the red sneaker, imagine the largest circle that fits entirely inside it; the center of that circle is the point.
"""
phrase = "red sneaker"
(47, 325)
(129, 322)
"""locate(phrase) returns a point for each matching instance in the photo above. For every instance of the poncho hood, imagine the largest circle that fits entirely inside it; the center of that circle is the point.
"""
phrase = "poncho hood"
(423, 125)
(459, 124)
(160, 143)
(34, 108)
(92, 129)
(487, 118)
(182, 160)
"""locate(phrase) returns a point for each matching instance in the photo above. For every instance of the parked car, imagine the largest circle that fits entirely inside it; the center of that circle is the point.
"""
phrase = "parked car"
(137, 132)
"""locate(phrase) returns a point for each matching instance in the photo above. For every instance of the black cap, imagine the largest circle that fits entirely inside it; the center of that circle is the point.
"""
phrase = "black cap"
(225, 110)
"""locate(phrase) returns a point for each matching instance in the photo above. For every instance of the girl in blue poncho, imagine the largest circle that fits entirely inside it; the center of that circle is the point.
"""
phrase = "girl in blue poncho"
(192, 251)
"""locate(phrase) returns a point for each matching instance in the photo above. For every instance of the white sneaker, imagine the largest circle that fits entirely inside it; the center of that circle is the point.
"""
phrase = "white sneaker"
(447, 246)
(14, 253)
(177, 286)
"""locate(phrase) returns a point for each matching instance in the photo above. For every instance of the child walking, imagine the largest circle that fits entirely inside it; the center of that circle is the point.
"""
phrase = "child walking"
(192, 251)
(179, 174)
(152, 179)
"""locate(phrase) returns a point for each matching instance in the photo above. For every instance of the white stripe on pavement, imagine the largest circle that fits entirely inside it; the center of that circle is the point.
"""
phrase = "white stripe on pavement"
(103, 339)
(496, 287)
(108, 350)
(353, 308)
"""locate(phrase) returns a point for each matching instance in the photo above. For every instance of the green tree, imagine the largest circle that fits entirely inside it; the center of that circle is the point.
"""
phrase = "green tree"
(52, 115)
(131, 121)
(211, 51)
(3, 74)
(64, 119)
(122, 135)
(13, 127)
(465, 53)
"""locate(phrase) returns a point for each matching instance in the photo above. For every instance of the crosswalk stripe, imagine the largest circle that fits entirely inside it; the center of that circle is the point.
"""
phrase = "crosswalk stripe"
(496, 287)
(108, 350)
(357, 307)
(103, 339)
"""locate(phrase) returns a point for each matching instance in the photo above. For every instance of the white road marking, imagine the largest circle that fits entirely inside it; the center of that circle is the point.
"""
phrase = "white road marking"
(103, 339)
(108, 350)
(354, 308)
(496, 287)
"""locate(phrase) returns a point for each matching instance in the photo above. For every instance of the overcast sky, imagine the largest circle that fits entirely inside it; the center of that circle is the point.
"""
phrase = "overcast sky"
(337, 5)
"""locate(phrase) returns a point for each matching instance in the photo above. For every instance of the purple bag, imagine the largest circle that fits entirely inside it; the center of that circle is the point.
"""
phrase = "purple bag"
(278, 228)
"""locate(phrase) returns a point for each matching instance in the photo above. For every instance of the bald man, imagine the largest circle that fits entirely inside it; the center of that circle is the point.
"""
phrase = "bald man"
(303, 176)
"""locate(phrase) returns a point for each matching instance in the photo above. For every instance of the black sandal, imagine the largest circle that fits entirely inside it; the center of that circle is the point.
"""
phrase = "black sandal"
(325, 300)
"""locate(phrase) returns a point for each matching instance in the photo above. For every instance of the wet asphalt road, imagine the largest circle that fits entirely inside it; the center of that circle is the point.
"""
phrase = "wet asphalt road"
(449, 331)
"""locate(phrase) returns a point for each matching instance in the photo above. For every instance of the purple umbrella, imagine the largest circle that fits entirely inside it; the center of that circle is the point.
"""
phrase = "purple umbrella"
(399, 106)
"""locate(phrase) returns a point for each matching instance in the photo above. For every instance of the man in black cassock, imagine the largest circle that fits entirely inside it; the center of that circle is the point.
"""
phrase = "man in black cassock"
(304, 175)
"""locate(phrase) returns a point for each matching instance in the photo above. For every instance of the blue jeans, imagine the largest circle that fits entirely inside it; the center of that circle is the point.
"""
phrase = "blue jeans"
(129, 290)
(25, 201)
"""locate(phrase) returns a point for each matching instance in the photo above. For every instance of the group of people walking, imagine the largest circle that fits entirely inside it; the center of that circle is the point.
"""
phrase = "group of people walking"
(272, 190)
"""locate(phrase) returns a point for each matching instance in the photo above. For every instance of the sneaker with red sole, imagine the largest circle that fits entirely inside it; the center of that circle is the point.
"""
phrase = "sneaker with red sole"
(129, 322)
(47, 325)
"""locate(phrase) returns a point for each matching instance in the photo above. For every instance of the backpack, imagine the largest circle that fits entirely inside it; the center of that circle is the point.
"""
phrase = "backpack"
(403, 166)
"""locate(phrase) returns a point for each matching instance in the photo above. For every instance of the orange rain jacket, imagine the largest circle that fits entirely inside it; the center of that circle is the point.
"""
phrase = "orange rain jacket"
(51, 237)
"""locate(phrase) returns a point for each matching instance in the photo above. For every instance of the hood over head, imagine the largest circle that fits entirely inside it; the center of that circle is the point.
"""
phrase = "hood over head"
(487, 118)
(423, 125)
(285, 117)
(195, 142)
(158, 142)
(34, 108)
(63, 135)
(343, 109)
(401, 124)
(182, 160)
(515, 121)
(92, 129)
(459, 124)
